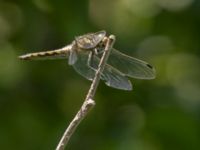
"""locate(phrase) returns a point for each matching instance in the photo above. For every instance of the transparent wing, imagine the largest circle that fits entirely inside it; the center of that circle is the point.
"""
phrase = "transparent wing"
(130, 66)
(115, 78)
(110, 75)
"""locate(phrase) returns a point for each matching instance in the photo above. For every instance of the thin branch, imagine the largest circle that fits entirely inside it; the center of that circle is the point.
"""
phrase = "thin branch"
(89, 102)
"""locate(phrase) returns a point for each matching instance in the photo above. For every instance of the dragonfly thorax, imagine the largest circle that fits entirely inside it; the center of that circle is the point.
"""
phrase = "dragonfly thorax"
(90, 41)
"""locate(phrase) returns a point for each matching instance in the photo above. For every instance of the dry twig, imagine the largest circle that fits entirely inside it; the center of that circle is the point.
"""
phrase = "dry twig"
(89, 102)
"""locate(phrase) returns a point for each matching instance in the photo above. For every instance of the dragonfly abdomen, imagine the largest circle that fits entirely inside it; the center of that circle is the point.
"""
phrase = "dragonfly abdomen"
(54, 54)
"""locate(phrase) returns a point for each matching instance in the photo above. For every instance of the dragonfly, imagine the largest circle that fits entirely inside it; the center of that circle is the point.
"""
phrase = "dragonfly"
(84, 54)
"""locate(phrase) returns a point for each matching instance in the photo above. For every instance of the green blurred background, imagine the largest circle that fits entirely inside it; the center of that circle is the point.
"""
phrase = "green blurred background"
(38, 99)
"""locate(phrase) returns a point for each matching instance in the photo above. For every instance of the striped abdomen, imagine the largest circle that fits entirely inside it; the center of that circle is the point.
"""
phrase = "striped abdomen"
(54, 54)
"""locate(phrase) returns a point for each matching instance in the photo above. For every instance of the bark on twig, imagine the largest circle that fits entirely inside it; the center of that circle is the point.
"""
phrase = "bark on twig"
(89, 102)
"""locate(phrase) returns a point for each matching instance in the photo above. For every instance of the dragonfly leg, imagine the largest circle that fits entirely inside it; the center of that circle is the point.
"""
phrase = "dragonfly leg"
(91, 62)
(90, 59)
(98, 51)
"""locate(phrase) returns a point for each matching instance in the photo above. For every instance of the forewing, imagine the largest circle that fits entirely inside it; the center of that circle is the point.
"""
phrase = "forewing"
(130, 66)
(91, 40)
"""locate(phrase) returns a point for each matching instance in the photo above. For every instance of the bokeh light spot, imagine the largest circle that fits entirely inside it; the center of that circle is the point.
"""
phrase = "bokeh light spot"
(175, 5)
(120, 19)
(10, 72)
(155, 45)
(11, 19)
(183, 73)
(145, 8)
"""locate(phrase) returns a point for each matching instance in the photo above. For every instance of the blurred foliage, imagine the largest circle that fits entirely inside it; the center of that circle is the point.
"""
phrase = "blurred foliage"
(38, 99)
